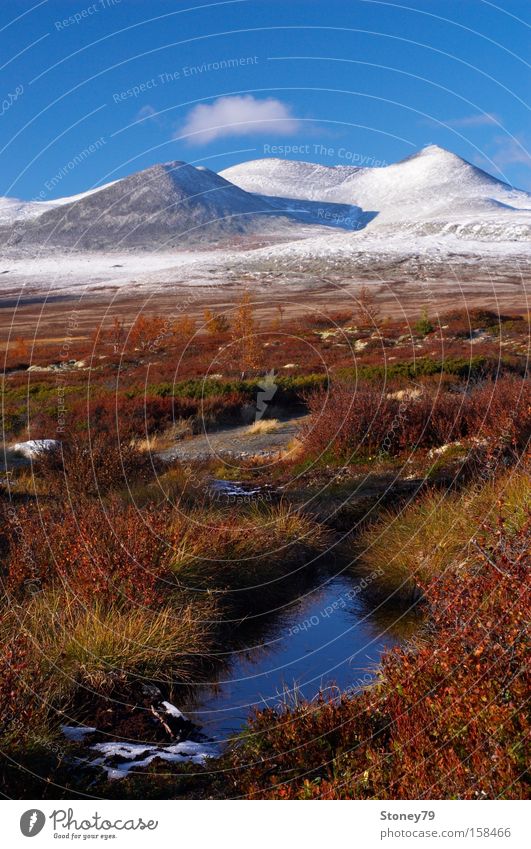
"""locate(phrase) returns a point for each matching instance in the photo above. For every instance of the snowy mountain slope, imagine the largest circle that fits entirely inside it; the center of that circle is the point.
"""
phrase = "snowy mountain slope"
(289, 178)
(426, 192)
(428, 201)
(165, 206)
(12, 209)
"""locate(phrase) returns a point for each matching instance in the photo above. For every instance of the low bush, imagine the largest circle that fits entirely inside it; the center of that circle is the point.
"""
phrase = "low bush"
(103, 552)
(362, 419)
(93, 465)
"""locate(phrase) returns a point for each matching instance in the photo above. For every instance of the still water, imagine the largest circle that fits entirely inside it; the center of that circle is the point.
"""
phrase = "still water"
(327, 639)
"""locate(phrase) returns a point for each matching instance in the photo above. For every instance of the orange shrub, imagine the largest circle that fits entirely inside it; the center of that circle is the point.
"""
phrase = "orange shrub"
(99, 552)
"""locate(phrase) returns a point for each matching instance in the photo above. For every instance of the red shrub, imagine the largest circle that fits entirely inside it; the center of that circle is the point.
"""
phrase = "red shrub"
(364, 419)
(93, 464)
(110, 553)
(501, 412)
(345, 420)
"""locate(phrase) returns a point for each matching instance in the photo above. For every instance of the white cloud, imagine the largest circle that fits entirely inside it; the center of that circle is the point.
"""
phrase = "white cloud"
(505, 152)
(481, 120)
(476, 120)
(237, 116)
(146, 111)
(511, 151)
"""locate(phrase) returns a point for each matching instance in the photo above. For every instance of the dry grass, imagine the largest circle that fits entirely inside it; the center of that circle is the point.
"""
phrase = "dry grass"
(23, 481)
(263, 530)
(263, 426)
(94, 646)
(179, 485)
(251, 557)
(162, 441)
(427, 537)
(294, 450)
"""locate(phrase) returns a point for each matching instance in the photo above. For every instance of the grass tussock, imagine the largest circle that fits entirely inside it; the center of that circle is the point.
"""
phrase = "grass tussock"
(250, 557)
(409, 549)
(263, 426)
(94, 645)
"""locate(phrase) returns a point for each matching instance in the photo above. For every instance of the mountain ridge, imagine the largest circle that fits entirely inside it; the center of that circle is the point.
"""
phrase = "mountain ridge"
(174, 205)
(167, 205)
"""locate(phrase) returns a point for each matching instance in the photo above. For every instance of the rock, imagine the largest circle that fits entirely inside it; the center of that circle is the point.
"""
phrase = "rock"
(151, 691)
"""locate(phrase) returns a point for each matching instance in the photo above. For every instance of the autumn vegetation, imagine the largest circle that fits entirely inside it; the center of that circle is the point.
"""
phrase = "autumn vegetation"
(120, 567)
(446, 717)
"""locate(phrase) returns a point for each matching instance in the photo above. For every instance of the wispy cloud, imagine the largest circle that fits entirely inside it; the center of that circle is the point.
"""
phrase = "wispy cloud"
(485, 119)
(238, 116)
(506, 153)
(511, 151)
(150, 114)
(146, 111)
(480, 120)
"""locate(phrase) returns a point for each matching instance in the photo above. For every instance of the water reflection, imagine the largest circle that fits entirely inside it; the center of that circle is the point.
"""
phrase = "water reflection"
(327, 638)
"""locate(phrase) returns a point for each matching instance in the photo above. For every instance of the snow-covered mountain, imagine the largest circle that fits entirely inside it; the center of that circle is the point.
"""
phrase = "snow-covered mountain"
(432, 196)
(433, 191)
(166, 206)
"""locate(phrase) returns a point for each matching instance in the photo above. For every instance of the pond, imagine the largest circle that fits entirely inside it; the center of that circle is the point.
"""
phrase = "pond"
(325, 641)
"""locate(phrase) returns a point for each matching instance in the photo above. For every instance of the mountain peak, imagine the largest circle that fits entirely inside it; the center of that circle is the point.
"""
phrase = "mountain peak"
(435, 149)
(435, 153)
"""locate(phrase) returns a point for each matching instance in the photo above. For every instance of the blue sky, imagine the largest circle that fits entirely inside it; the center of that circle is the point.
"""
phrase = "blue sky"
(93, 90)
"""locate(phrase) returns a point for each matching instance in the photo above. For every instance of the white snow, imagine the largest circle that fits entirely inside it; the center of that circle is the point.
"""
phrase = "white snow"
(12, 209)
(138, 755)
(434, 185)
(142, 272)
(433, 206)
(122, 750)
(286, 178)
(172, 710)
(76, 733)
(232, 489)
(34, 447)
(65, 272)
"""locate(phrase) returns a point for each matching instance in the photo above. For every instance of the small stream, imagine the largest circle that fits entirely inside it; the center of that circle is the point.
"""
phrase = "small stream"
(325, 641)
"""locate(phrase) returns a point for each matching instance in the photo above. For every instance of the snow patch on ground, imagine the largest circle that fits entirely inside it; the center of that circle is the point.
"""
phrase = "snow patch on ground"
(172, 710)
(232, 489)
(118, 759)
(35, 447)
(77, 733)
